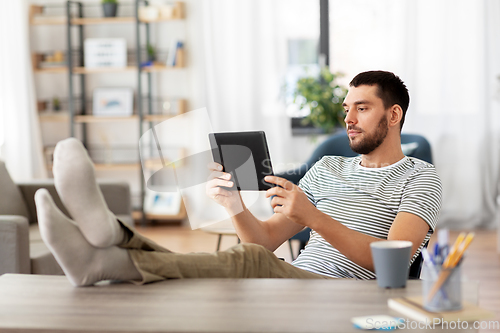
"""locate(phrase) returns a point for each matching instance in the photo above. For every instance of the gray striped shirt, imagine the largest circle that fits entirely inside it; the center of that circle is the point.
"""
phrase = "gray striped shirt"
(366, 200)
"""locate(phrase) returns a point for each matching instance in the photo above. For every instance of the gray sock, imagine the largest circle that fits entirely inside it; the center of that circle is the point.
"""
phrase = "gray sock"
(82, 263)
(75, 182)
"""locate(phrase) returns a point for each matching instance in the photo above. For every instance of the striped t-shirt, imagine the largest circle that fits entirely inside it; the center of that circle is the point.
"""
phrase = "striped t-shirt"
(366, 200)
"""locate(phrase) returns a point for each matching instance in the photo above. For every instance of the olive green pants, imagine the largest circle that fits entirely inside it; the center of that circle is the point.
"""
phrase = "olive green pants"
(156, 263)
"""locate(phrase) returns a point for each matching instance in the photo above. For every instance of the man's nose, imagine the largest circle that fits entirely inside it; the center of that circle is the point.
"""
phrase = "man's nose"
(350, 118)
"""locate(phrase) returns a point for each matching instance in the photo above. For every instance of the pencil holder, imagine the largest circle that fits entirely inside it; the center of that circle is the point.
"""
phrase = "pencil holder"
(449, 296)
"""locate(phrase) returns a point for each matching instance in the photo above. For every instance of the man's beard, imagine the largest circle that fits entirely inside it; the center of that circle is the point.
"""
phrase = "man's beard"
(370, 143)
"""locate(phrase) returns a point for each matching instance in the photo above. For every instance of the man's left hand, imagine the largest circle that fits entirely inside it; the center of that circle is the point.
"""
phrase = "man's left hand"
(290, 201)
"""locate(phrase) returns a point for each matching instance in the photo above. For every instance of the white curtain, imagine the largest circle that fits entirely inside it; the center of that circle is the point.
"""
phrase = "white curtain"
(453, 52)
(242, 69)
(447, 52)
(242, 72)
(20, 139)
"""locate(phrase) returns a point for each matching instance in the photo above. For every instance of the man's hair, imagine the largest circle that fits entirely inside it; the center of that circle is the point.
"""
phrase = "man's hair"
(390, 88)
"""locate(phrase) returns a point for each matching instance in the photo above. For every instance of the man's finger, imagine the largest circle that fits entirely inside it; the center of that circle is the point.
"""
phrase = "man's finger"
(219, 182)
(214, 166)
(275, 191)
(277, 201)
(221, 175)
(278, 209)
(218, 191)
(286, 184)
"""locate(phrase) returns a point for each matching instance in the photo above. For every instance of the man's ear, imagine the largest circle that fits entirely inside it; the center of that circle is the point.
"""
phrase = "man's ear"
(396, 114)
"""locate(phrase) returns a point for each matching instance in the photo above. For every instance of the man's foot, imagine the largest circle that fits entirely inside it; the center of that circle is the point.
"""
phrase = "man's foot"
(82, 263)
(75, 182)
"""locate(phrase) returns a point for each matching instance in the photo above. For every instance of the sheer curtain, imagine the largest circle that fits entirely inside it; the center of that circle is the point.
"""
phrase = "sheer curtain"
(241, 72)
(20, 139)
(448, 54)
(453, 52)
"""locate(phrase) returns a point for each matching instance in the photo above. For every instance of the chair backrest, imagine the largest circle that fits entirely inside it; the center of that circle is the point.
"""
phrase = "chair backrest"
(413, 145)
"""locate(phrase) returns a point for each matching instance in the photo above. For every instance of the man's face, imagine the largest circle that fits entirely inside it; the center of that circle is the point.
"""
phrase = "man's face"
(366, 119)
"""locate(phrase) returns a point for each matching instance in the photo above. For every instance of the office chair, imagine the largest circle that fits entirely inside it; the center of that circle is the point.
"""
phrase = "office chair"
(413, 145)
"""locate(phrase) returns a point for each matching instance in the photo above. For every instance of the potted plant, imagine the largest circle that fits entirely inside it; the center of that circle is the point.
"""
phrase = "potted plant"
(151, 53)
(109, 7)
(323, 96)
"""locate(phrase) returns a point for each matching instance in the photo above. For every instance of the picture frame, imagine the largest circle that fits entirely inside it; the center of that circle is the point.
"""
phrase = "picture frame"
(109, 102)
(105, 52)
(162, 203)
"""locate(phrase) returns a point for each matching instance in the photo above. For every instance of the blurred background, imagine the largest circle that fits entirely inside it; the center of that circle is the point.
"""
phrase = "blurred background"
(242, 61)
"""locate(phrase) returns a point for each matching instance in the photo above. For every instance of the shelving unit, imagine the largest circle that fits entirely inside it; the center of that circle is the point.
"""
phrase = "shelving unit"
(82, 118)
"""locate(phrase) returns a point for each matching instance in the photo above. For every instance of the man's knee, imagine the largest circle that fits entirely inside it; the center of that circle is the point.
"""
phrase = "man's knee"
(253, 250)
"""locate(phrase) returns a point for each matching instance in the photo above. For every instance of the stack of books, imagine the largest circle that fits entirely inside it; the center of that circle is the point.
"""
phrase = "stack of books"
(412, 308)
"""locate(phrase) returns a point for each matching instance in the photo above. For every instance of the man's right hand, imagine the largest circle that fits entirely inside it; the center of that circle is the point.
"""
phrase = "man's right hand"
(216, 189)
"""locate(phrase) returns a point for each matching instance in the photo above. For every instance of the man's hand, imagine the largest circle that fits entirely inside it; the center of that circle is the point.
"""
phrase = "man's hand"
(291, 201)
(216, 186)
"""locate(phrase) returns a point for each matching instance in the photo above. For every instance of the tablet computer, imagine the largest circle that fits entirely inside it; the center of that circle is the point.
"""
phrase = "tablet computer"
(245, 156)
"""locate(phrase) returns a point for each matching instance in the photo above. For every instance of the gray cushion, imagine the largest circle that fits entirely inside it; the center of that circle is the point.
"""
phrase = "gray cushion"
(12, 201)
(14, 244)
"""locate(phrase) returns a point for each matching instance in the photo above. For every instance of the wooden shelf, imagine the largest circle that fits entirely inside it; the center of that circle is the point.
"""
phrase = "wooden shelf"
(156, 117)
(117, 166)
(64, 117)
(51, 70)
(36, 18)
(102, 20)
(99, 119)
(83, 70)
(158, 68)
(54, 116)
(92, 21)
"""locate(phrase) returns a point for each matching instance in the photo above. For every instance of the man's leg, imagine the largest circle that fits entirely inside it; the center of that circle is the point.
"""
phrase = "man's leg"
(85, 264)
(240, 261)
(75, 183)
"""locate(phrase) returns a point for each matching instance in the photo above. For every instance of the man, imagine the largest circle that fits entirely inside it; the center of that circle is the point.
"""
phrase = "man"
(347, 202)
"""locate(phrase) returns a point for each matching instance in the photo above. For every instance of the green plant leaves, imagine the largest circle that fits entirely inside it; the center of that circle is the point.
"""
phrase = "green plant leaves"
(323, 97)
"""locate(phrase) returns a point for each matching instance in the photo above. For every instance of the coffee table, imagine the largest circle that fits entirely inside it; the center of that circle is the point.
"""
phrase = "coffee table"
(37, 303)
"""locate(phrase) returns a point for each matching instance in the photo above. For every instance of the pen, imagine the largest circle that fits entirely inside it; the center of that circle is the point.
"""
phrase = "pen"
(431, 266)
(437, 257)
(443, 240)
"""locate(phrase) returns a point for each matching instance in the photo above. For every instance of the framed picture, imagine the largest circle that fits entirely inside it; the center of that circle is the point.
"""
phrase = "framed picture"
(105, 52)
(162, 203)
(113, 102)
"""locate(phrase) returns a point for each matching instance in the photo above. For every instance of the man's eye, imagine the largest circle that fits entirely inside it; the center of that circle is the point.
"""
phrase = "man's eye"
(361, 109)
(346, 111)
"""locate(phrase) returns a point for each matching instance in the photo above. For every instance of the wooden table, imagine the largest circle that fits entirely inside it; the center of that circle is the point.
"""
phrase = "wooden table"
(37, 303)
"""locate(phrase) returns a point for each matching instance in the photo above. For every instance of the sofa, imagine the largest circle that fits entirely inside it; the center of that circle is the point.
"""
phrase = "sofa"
(21, 247)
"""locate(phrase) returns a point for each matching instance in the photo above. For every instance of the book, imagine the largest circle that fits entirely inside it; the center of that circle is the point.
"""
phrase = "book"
(172, 56)
(172, 53)
(412, 307)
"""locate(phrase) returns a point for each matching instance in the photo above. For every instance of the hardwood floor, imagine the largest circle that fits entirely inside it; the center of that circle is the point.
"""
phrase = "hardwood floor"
(481, 264)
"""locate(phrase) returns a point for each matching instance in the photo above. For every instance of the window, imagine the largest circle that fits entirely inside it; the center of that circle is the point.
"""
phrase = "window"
(300, 23)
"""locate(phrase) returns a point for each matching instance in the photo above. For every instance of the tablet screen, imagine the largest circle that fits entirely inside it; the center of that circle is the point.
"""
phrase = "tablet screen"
(245, 156)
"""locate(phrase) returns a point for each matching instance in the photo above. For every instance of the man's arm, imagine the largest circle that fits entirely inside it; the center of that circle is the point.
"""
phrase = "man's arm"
(270, 233)
(356, 246)
(294, 204)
